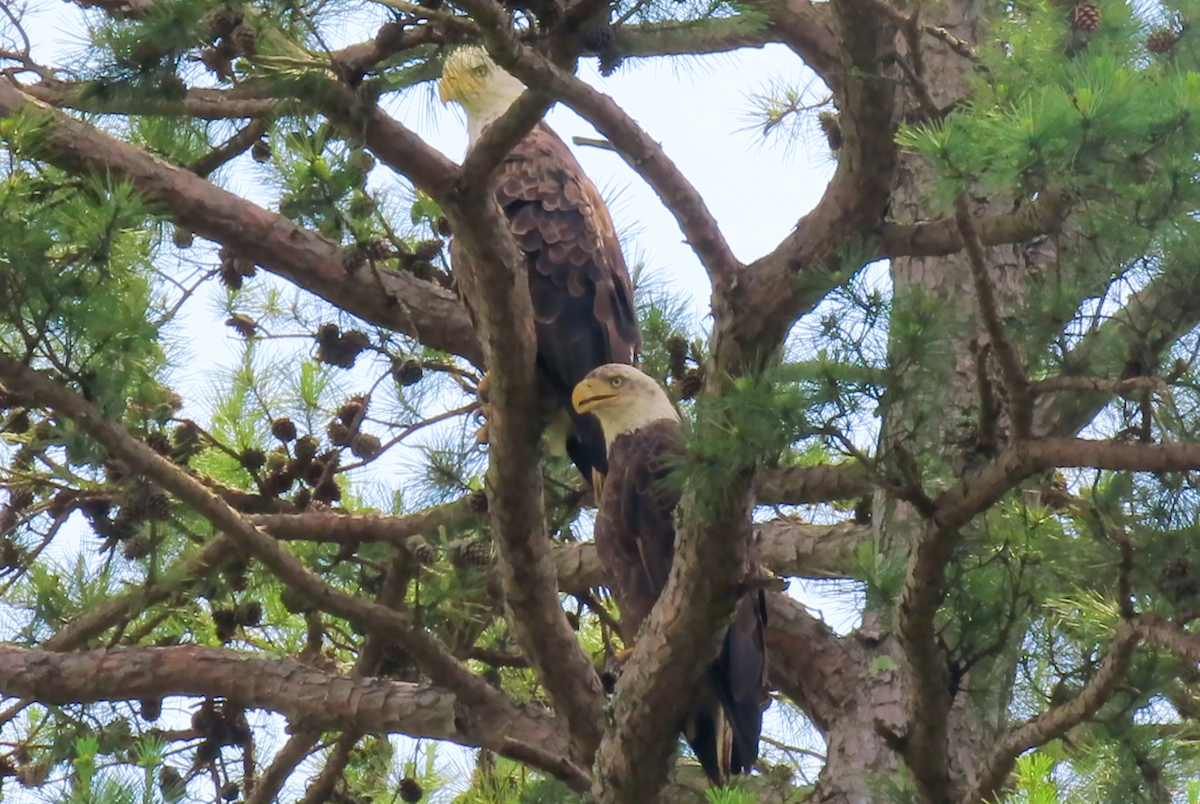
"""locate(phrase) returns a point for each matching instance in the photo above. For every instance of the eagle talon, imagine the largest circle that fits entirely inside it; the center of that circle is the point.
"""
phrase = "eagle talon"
(483, 390)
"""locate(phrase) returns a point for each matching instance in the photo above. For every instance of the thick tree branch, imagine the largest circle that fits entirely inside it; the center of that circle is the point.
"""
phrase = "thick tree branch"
(810, 31)
(406, 304)
(498, 292)
(674, 646)
(307, 696)
(1060, 719)
(941, 237)
(799, 485)
(252, 100)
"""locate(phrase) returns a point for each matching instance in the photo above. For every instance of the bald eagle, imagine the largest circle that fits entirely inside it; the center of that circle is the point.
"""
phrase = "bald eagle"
(582, 297)
(635, 539)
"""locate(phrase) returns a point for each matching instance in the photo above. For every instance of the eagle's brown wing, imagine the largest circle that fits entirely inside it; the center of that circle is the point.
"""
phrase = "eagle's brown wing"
(635, 533)
(635, 540)
(582, 296)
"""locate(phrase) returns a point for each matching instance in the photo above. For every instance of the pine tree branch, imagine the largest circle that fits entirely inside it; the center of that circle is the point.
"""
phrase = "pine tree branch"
(928, 696)
(430, 654)
(126, 605)
(810, 30)
(498, 292)
(306, 695)
(294, 751)
(250, 100)
(800, 485)
(232, 148)
(1129, 344)
(699, 37)
(1020, 397)
(420, 309)
(1060, 719)
(1043, 216)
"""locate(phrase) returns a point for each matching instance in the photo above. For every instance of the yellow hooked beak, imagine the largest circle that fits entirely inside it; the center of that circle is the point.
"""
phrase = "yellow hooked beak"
(590, 393)
(445, 90)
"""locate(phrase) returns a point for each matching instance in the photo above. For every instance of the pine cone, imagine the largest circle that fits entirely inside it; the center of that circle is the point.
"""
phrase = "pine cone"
(410, 790)
(244, 39)
(249, 613)
(283, 429)
(407, 372)
(306, 449)
(442, 226)
(261, 151)
(10, 555)
(677, 350)
(465, 553)
(478, 502)
(833, 130)
(377, 248)
(158, 506)
(691, 385)
(339, 434)
(159, 442)
(230, 791)
(428, 249)
(365, 446)
(243, 324)
(252, 459)
(150, 708)
(135, 548)
(170, 784)
(301, 499)
(225, 622)
(183, 238)
(186, 435)
(278, 481)
(1085, 17)
(1162, 41)
(327, 491)
(223, 20)
(422, 552)
(350, 409)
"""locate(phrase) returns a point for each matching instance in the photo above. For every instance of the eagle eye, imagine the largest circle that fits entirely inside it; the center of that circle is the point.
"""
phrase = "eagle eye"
(616, 382)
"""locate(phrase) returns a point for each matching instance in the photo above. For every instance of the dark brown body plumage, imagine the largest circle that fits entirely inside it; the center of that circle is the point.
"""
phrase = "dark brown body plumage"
(582, 296)
(635, 540)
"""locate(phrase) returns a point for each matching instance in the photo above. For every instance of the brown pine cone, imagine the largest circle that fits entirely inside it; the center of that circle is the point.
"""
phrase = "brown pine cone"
(691, 385)
(365, 446)
(159, 442)
(284, 429)
(261, 151)
(428, 249)
(422, 551)
(1162, 41)
(478, 502)
(249, 613)
(306, 449)
(158, 506)
(135, 548)
(339, 434)
(410, 791)
(1085, 17)
(252, 459)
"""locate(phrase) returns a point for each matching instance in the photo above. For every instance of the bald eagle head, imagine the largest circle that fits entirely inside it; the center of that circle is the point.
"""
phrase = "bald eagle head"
(623, 398)
(471, 79)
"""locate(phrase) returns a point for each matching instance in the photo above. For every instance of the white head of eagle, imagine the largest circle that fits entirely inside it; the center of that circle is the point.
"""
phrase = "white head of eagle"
(485, 91)
(623, 398)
